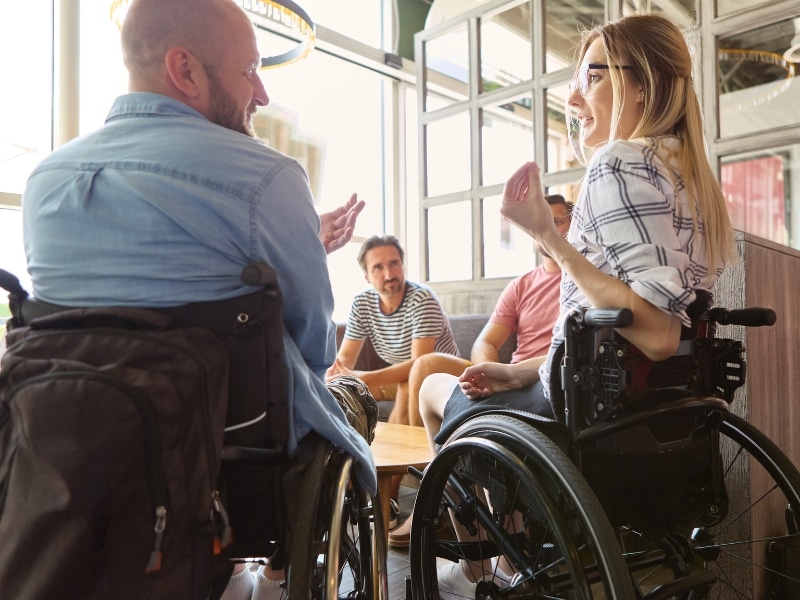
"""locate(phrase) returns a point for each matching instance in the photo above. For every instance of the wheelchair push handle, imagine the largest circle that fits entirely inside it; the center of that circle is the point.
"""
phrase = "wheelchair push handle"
(608, 317)
(749, 317)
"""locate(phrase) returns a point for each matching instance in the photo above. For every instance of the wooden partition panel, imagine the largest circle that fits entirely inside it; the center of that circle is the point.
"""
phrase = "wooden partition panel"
(766, 274)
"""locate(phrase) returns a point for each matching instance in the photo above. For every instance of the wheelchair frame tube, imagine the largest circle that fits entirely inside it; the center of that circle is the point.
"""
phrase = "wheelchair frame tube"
(569, 383)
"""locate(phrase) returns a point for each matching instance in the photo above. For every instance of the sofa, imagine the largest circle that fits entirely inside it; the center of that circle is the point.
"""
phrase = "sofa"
(465, 329)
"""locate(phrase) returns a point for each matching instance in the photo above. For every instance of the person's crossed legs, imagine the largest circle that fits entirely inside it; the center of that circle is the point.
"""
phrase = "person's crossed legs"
(433, 396)
(436, 363)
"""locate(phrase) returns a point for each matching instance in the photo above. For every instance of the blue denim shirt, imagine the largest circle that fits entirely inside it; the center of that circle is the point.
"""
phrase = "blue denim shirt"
(161, 207)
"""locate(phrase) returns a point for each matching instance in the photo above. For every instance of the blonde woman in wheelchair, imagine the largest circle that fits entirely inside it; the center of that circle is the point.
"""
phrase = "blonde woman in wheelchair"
(649, 229)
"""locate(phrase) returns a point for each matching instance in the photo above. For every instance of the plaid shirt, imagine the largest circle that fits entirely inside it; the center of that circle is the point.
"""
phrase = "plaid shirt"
(632, 221)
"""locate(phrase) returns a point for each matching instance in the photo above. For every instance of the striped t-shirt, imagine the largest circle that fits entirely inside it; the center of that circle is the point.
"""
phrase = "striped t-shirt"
(419, 316)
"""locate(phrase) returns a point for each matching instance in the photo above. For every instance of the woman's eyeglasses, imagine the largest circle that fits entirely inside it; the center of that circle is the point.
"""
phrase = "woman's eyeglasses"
(583, 80)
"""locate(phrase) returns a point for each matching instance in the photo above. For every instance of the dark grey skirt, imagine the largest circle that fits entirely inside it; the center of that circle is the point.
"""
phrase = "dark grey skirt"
(530, 399)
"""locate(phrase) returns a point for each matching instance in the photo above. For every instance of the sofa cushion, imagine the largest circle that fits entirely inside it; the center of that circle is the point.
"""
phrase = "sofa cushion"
(467, 327)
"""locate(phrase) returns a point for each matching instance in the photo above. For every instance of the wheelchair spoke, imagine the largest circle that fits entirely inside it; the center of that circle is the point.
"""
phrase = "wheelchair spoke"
(512, 511)
(758, 479)
(336, 551)
(512, 506)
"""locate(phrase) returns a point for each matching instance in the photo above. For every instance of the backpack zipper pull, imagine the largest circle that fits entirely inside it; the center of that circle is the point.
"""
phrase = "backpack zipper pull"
(154, 564)
(225, 537)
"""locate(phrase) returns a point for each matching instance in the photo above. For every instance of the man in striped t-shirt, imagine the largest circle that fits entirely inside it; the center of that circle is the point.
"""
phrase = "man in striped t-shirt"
(403, 319)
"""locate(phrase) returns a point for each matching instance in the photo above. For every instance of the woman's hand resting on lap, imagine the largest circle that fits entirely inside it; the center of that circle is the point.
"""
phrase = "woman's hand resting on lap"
(484, 379)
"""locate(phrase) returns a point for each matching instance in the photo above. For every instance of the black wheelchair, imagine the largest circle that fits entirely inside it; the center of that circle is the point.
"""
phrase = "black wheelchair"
(650, 489)
(307, 513)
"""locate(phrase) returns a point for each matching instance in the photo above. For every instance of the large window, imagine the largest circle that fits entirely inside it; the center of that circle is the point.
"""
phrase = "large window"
(26, 48)
(341, 112)
(759, 128)
(102, 74)
(331, 115)
(481, 81)
(494, 75)
(25, 104)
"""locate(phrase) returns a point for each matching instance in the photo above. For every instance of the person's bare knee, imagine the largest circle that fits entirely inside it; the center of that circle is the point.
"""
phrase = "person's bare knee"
(425, 365)
(433, 396)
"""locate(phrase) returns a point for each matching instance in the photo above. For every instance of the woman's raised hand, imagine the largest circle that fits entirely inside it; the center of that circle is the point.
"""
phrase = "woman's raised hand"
(524, 203)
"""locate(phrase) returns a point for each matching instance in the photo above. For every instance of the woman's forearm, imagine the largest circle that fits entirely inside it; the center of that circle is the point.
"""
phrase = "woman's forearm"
(653, 331)
(527, 371)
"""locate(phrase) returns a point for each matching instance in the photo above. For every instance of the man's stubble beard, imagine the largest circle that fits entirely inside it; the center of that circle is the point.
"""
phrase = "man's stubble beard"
(400, 286)
(223, 109)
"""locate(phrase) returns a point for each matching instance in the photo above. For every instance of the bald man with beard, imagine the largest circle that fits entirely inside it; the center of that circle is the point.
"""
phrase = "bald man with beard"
(169, 201)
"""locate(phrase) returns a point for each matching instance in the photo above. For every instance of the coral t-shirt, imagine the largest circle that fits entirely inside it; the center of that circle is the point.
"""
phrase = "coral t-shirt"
(529, 306)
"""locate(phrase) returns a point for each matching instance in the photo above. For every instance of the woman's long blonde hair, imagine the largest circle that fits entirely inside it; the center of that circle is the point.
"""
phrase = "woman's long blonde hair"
(657, 51)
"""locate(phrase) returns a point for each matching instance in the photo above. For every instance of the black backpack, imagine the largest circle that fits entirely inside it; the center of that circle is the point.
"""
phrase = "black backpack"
(111, 432)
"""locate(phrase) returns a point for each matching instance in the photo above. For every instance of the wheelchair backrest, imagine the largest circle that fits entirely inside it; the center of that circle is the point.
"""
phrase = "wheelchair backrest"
(258, 414)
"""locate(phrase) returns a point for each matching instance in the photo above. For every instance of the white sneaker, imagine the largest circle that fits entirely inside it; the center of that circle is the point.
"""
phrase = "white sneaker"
(266, 589)
(453, 583)
(240, 585)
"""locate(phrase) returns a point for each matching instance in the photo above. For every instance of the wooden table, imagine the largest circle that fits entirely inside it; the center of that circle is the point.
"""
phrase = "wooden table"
(395, 448)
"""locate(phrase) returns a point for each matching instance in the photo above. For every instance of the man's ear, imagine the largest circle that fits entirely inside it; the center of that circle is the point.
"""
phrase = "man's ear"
(184, 71)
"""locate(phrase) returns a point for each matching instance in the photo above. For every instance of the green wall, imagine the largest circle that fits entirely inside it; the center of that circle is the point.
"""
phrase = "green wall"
(412, 15)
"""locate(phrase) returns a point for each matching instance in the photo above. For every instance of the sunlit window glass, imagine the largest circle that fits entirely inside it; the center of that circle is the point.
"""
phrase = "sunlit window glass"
(506, 130)
(757, 87)
(682, 12)
(347, 279)
(446, 60)
(338, 141)
(560, 155)
(357, 19)
(507, 250)
(103, 76)
(563, 22)
(506, 48)
(448, 155)
(450, 242)
(26, 47)
(411, 206)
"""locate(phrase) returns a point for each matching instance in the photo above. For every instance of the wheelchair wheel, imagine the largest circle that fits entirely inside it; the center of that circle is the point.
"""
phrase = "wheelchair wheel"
(336, 550)
(534, 527)
(715, 537)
